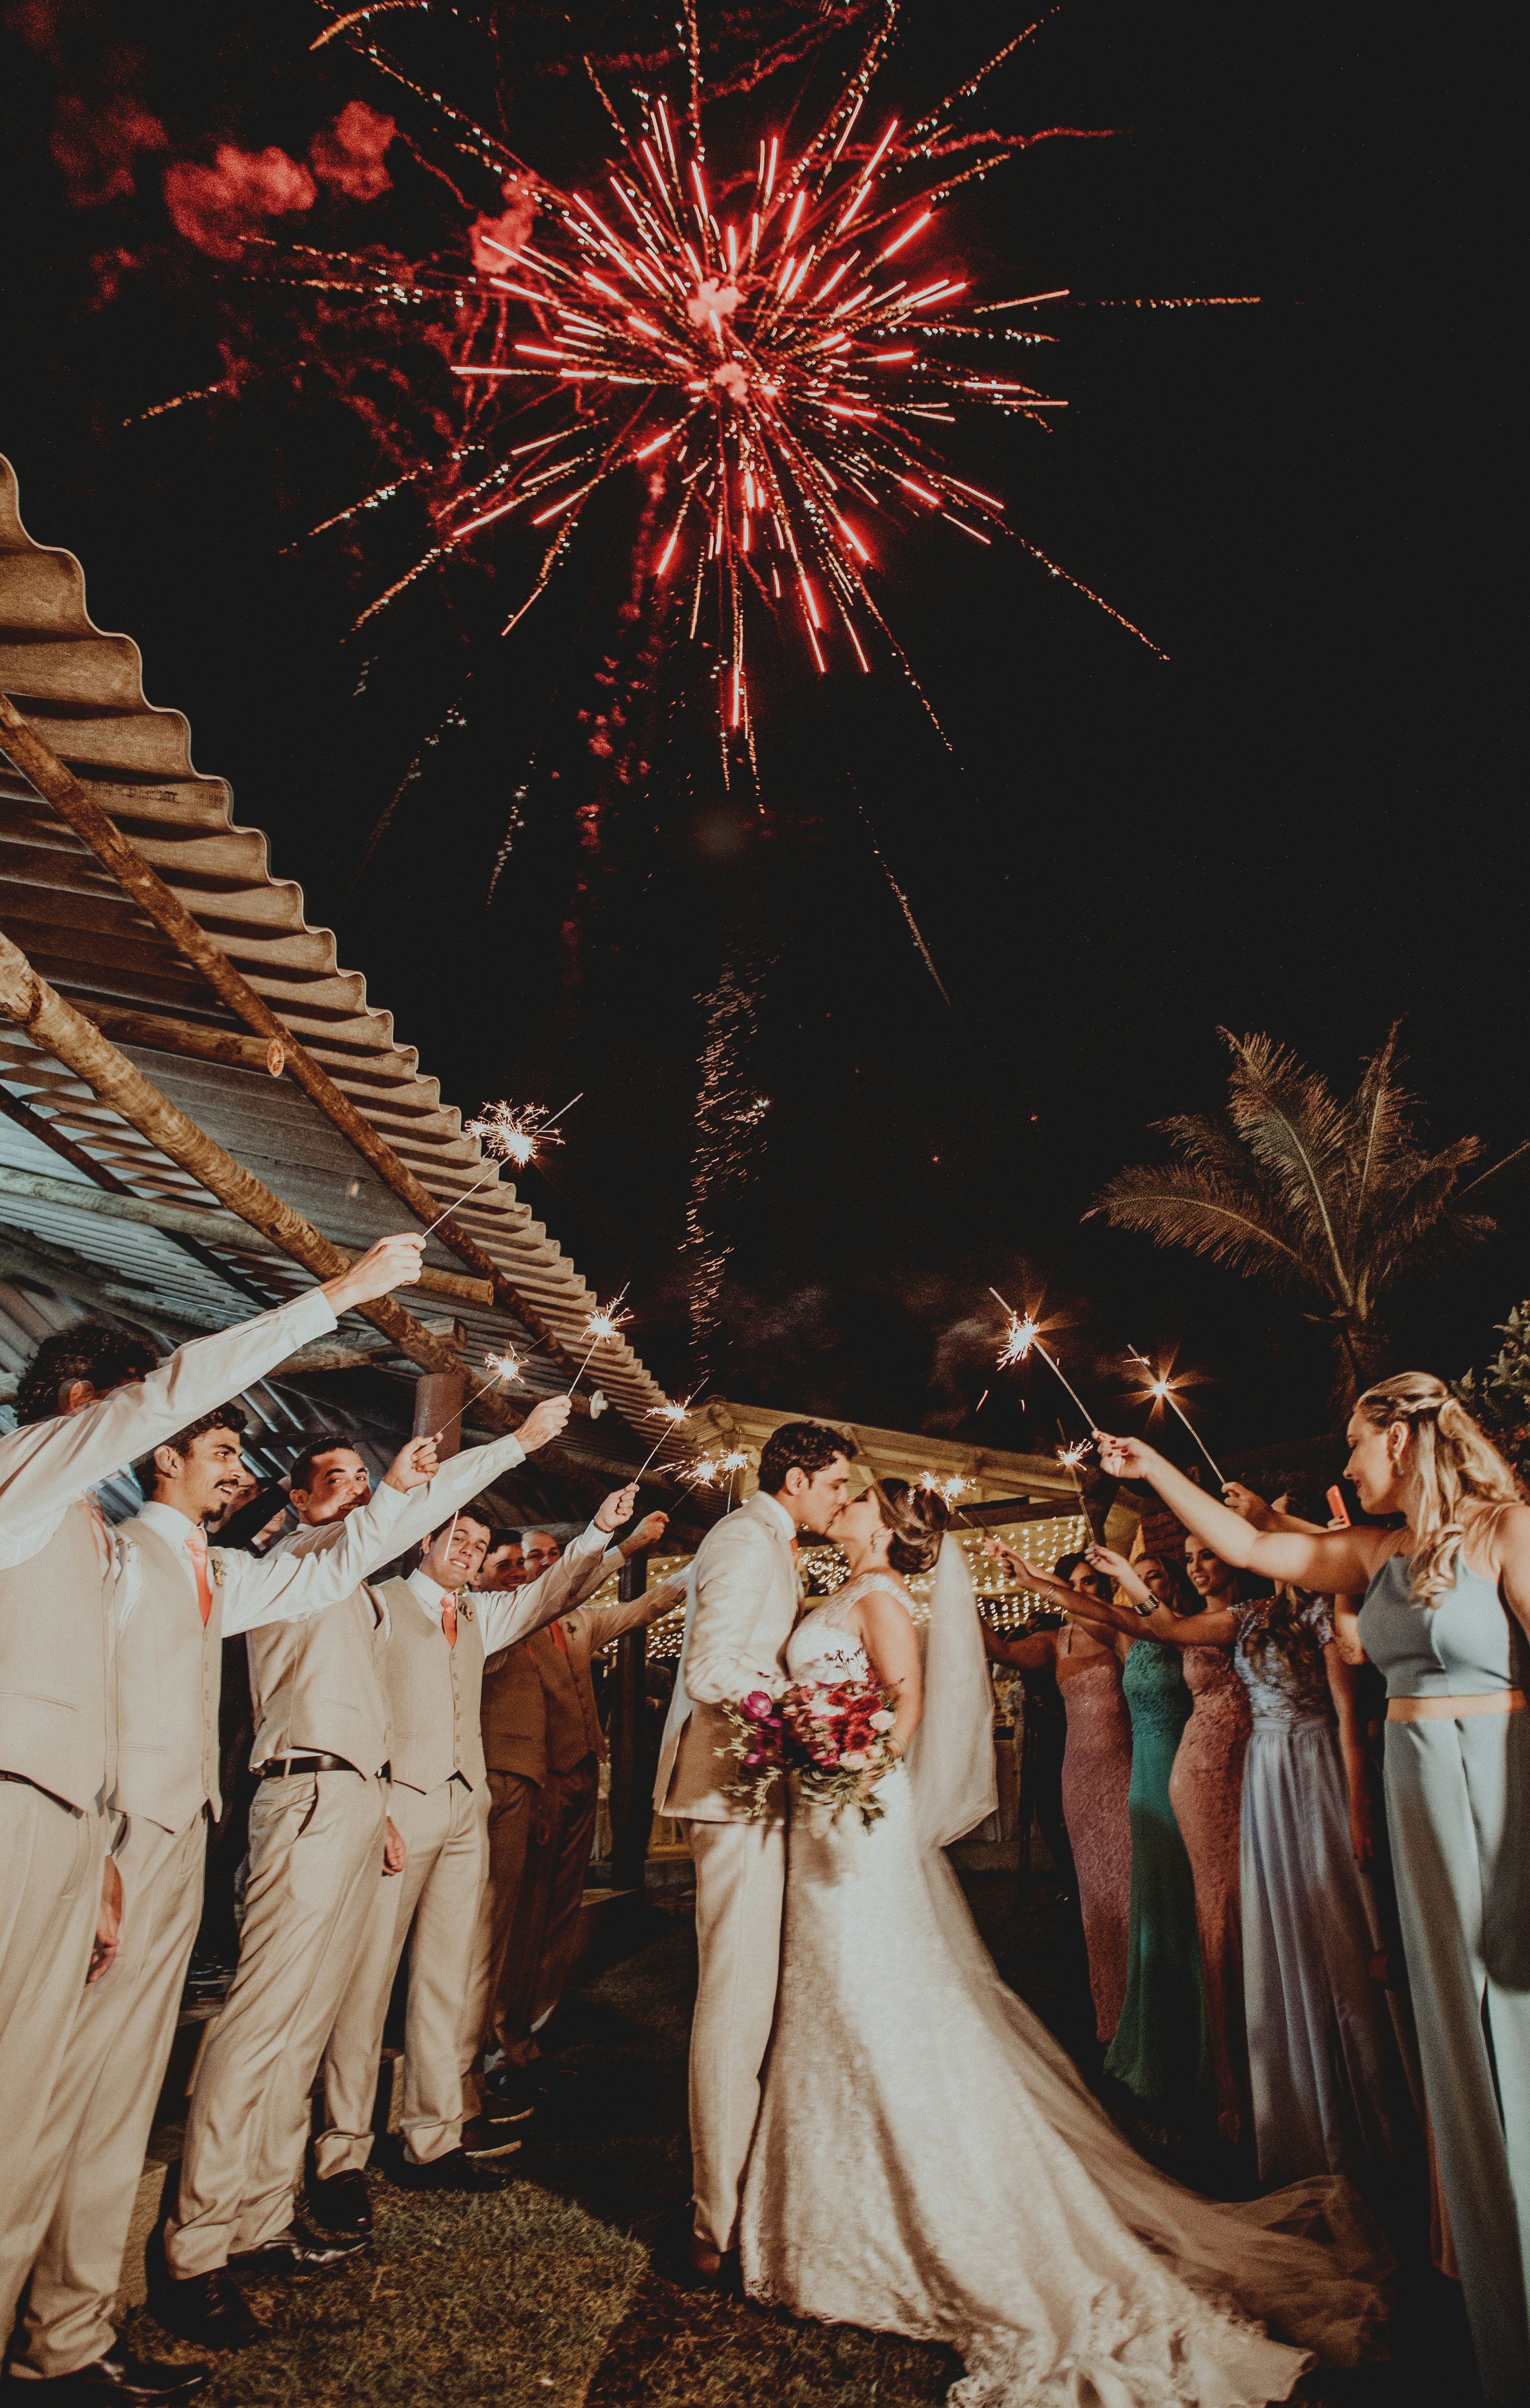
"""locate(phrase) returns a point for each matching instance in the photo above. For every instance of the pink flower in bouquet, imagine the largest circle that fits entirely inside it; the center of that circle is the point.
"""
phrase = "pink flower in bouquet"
(882, 1721)
(757, 1706)
(853, 1760)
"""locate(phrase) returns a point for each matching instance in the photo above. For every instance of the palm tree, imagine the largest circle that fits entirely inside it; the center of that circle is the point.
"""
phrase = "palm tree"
(1333, 1201)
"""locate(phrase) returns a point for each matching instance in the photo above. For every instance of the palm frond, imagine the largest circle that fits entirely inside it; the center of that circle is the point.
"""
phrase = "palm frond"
(1298, 1132)
(1177, 1205)
(1383, 1114)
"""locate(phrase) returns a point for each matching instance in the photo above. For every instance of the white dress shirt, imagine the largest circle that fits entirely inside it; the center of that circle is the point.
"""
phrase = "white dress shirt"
(45, 1468)
(327, 1561)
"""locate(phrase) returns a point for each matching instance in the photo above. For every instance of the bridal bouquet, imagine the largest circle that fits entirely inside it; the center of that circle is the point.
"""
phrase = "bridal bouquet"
(826, 1736)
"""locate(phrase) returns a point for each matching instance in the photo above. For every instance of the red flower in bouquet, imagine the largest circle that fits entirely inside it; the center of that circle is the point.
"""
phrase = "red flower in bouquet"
(836, 1735)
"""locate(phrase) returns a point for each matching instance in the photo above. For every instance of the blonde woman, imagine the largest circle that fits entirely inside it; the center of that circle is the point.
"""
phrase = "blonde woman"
(1447, 1619)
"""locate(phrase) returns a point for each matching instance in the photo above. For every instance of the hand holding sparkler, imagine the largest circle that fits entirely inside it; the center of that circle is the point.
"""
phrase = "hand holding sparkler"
(544, 1422)
(649, 1530)
(616, 1509)
(414, 1466)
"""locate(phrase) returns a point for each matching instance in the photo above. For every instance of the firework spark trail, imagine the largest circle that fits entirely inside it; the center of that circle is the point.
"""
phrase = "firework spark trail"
(785, 357)
(725, 1113)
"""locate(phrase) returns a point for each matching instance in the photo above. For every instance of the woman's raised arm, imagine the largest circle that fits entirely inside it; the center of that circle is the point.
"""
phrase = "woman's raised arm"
(1335, 1560)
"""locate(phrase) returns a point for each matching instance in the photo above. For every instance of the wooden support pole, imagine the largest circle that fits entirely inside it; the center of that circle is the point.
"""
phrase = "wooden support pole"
(632, 1809)
(60, 1030)
(439, 1400)
(57, 783)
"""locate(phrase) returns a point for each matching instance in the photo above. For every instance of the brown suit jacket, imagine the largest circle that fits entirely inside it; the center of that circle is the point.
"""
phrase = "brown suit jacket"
(543, 1709)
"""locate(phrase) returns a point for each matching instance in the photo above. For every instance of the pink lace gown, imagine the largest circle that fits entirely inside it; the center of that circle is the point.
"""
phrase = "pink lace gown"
(1097, 1777)
(1205, 1791)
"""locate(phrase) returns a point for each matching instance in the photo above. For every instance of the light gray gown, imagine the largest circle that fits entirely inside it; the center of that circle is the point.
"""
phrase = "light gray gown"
(1330, 2093)
(928, 2162)
(1458, 1810)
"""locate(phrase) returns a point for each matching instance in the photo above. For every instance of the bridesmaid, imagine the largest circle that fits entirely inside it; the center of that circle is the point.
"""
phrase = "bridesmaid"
(1161, 2050)
(1205, 1791)
(1447, 1619)
(1329, 2089)
(1097, 1776)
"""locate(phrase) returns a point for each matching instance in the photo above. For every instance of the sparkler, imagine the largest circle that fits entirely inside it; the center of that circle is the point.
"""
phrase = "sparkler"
(773, 345)
(1161, 1389)
(1021, 1336)
(671, 1415)
(502, 1367)
(733, 1463)
(602, 1324)
(509, 1135)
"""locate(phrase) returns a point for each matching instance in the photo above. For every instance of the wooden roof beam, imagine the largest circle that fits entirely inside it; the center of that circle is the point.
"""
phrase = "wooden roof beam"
(56, 1026)
(57, 783)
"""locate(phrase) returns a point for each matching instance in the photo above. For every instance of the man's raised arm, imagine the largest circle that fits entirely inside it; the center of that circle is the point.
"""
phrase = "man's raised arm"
(44, 1467)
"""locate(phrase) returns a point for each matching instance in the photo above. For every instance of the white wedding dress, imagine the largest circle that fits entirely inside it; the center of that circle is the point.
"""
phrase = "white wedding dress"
(928, 2162)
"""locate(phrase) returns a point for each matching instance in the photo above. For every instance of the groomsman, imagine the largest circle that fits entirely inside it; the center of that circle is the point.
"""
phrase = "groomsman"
(434, 1670)
(504, 1566)
(179, 1599)
(514, 1721)
(544, 1928)
(320, 1840)
(92, 1400)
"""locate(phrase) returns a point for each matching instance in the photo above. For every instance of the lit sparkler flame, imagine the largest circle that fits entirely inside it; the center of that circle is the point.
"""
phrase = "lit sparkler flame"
(783, 358)
(513, 1134)
(1162, 1391)
(1019, 1340)
(734, 1460)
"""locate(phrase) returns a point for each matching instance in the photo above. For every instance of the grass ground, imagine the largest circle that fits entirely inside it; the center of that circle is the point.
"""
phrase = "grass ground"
(562, 2292)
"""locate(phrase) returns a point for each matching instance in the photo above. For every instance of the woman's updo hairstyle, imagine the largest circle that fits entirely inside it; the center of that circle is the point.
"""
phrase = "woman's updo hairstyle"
(918, 1519)
(1449, 1461)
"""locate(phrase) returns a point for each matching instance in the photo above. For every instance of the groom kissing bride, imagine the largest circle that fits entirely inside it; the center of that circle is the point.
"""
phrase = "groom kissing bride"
(880, 2128)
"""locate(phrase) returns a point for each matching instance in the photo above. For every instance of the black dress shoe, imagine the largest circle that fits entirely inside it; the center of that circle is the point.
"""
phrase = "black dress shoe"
(118, 2377)
(338, 2203)
(509, 2094)
(204, 2308)
(292, 2257)
(456, 2171)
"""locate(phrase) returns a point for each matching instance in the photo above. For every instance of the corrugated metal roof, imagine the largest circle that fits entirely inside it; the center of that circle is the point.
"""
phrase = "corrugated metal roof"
(82, 691)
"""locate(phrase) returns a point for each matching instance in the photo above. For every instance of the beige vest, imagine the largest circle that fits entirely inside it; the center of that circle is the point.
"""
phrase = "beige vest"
(57, 1694)
(317, 1686)
(169, 1677)
(434, 1691)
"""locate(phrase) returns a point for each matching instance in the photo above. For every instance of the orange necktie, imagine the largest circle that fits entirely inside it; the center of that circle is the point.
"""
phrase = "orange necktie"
(449, 1619)
(559, 1641)
(196, 1547)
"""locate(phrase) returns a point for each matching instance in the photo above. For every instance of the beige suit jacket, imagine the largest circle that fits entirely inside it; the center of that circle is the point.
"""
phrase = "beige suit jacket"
(744, 1603)
(59, 1563)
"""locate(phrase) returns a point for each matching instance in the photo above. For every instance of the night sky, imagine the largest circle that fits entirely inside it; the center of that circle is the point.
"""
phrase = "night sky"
(1303, 823)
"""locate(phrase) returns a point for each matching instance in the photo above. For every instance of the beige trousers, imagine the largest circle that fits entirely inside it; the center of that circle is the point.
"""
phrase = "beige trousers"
(544, 1931)
(512, 1804)
(50, 1860)
(437, 1893)
(740, 1884)
(315, 1870)
(105, 2096)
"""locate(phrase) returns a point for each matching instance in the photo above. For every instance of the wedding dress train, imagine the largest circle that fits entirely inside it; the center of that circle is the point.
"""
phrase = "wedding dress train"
(928, 2162)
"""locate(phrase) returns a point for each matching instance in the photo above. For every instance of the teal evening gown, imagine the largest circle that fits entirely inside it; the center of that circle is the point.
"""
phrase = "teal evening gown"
(1162, 2049)
(1458, 1812)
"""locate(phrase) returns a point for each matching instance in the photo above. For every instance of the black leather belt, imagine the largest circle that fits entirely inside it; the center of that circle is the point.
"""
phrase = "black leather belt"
(281, 1768)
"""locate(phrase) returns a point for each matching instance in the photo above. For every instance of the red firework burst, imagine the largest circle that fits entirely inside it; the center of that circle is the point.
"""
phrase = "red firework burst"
(782, 341)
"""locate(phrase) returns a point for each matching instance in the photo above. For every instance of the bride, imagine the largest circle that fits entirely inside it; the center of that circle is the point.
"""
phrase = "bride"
(927, 2162)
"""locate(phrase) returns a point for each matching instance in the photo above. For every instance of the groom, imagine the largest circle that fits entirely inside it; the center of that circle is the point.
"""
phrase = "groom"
(744, 1601)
